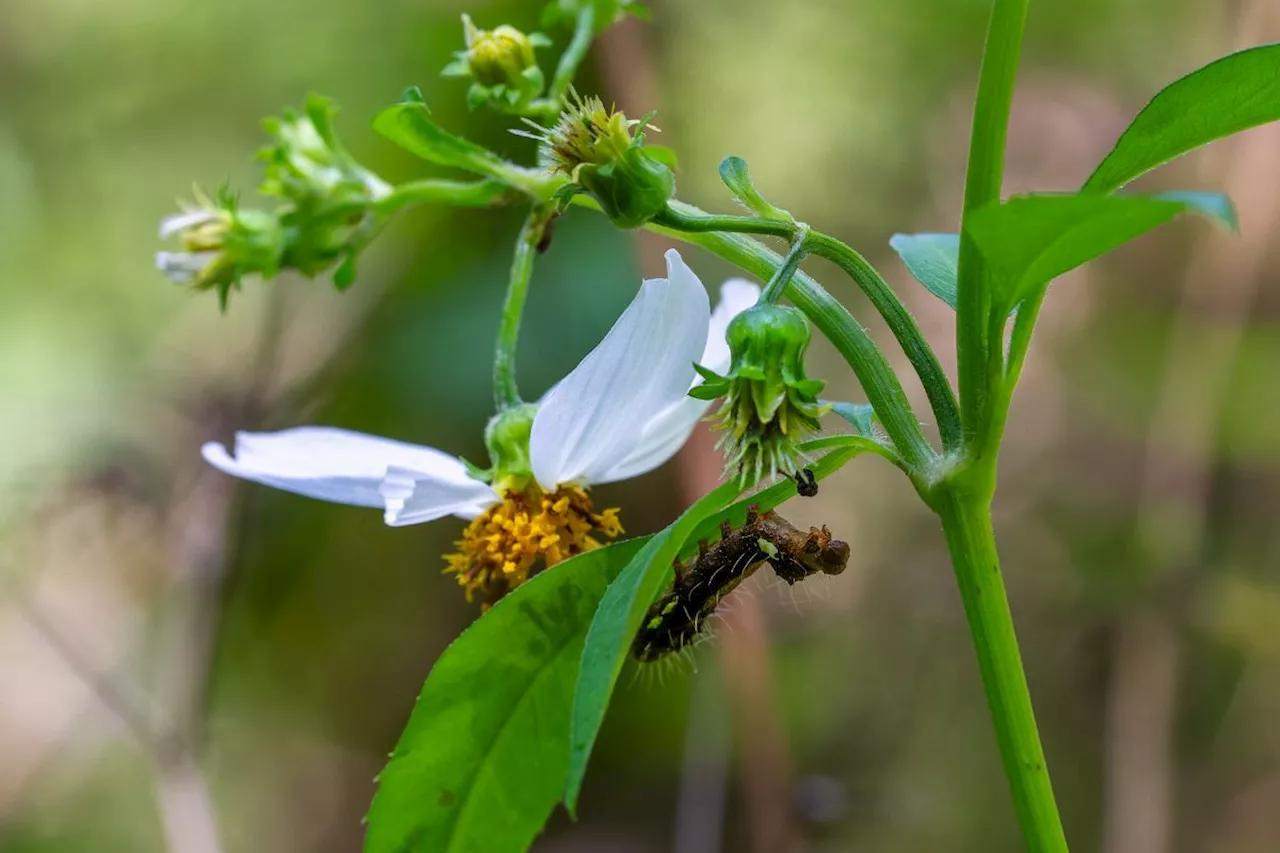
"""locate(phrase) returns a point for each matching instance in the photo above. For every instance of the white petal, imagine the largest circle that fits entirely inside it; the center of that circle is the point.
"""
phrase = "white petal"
(736, 296)
(183, 266)
(596, 415)
(667, 432)
(176, 222)
(332, 464)
(413, 497)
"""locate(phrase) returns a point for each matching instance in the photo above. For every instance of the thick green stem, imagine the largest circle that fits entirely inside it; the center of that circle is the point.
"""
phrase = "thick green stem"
(982, 187)
(584, 29)
(505, 393)
(966, 520)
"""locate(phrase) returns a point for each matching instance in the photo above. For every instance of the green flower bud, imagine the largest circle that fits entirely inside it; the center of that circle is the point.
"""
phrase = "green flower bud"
(603, 152)
(770, 404)
(502, 64)
(507, 439)
(220, 244)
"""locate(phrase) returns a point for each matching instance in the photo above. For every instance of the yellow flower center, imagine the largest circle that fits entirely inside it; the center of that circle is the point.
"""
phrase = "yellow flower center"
(529, 531)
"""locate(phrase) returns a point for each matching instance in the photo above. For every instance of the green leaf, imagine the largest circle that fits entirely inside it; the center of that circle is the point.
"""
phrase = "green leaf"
(859, 415)
(1028, 241)
(736, 176)
(624, 604)
(1232, 94)
(482, 761)
(933, 259)
(409, 125)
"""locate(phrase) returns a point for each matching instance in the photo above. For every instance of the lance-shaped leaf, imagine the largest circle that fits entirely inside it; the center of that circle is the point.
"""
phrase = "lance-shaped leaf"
(933, 259)
(409, 125)
(482, 762)
(1028, 241)
(624, 604)
(1234, 93)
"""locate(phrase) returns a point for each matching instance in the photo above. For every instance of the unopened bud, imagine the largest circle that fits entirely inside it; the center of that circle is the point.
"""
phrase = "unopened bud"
(770, 404)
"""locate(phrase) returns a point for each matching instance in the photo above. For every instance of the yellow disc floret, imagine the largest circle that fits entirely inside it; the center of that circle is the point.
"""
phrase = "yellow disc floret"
(529, 531)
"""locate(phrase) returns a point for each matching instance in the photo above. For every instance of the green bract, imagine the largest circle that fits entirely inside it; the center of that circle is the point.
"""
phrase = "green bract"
(507, 439)
(770, 405)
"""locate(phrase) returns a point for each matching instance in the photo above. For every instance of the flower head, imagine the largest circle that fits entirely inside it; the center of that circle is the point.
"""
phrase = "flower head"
(502, 64)
(604, 153)
(220, 243)
(770, 405)
(621, 412)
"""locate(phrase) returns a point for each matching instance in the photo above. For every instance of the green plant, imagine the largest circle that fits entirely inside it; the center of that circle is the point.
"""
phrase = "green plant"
(491, 749)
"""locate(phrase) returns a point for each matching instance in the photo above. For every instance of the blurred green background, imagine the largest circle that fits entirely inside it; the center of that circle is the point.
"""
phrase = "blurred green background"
(284, 640)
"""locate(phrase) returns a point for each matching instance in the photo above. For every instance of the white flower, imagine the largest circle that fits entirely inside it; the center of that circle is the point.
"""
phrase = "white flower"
(621, 412)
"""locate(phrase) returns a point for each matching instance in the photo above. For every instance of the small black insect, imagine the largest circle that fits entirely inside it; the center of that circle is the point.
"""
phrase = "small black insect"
(678, 617)
(806, 483)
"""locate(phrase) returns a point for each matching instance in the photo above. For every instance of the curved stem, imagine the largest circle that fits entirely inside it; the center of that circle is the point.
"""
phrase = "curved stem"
(941, 398)
(505, 393)
(966, 520)
(878, 380)
(583, 31)
(982, 187)
(903, 326)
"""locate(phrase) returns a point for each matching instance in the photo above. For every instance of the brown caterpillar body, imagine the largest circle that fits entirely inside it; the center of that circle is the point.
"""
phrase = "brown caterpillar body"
(678, 617)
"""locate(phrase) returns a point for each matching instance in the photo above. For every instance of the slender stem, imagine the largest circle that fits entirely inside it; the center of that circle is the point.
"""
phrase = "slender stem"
(966, 520)
(584, 29)
(982, 187)
(454, 193)
(505, 393)
(782, 276)
(878, 380)
(936, 385)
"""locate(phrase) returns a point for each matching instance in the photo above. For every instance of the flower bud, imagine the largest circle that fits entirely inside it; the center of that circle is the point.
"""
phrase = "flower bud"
(221, 243)
(507, 439)
(502, 64)
(604, 154)
(770, 405)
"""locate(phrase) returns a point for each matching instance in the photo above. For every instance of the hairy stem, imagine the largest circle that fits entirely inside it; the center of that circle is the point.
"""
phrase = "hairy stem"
(966, 520)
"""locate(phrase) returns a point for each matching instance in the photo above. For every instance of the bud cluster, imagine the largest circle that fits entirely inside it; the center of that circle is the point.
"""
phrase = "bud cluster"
(326, 213)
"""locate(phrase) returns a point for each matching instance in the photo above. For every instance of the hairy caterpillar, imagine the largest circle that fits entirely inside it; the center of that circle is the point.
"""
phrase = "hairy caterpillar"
(676, 618)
